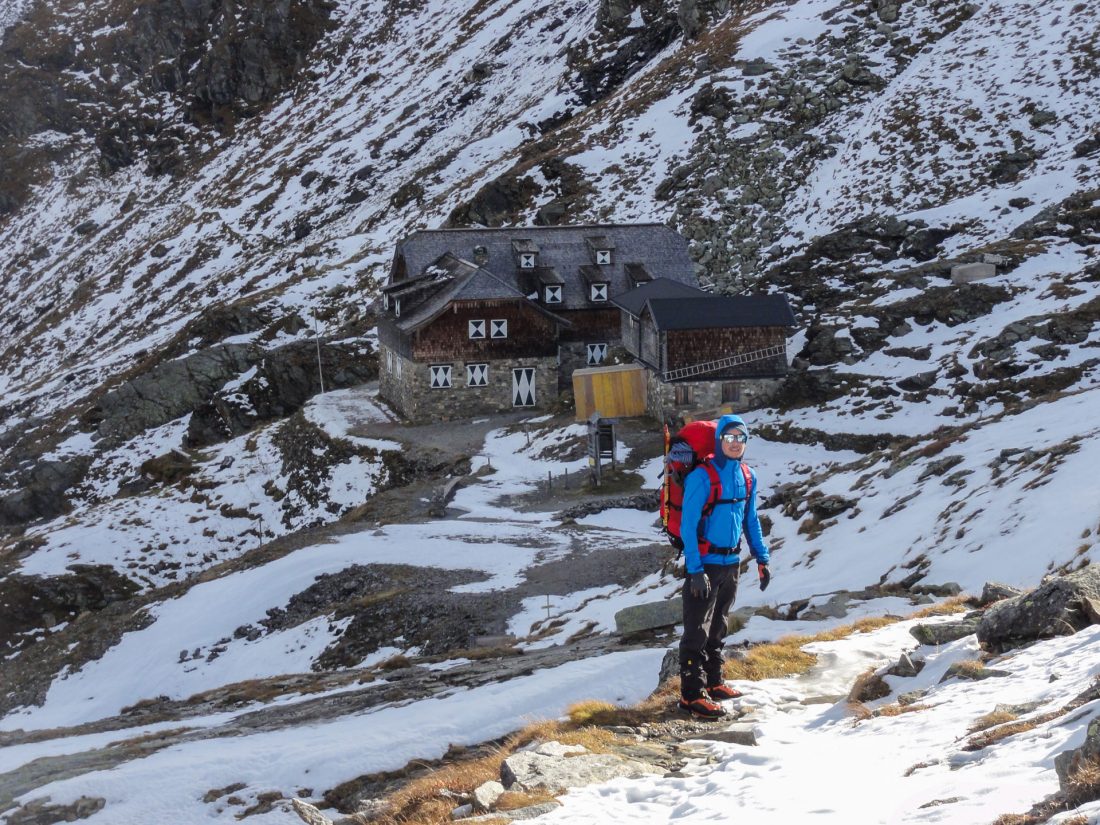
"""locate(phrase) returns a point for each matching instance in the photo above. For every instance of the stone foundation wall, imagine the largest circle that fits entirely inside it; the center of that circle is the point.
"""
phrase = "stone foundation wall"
(706, 395)
(407, 386)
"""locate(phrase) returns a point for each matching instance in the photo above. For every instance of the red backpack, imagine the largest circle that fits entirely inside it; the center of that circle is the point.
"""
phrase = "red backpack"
(691, 447)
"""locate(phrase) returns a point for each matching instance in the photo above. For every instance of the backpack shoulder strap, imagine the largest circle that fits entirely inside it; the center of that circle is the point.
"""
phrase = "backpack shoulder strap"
(715, 486)
(746, 471)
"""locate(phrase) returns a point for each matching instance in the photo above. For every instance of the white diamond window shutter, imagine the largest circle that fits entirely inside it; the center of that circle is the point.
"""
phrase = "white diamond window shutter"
(477, 375)
(599, 292)
(527, 260)
(553, 294)
(596, 353)
(603, 256)
(523, 387)
(499, 328)
(477, 329)
(440, 376)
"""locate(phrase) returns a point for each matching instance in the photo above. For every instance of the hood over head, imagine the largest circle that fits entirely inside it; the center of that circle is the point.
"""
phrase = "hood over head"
(725, 423)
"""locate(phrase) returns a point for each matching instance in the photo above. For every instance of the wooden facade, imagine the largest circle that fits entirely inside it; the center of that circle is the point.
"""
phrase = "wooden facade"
(613, 392)
(591, 325)
(529, 333)
(687, 347)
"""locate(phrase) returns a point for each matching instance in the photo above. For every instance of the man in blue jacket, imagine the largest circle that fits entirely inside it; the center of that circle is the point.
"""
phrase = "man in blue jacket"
(712, 556)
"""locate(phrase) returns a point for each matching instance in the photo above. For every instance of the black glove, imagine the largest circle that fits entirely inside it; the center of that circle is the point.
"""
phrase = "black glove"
(698, 585)
(765, 576)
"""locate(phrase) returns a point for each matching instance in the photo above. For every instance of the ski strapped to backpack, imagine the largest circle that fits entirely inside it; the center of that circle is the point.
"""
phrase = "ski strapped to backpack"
(691, 447)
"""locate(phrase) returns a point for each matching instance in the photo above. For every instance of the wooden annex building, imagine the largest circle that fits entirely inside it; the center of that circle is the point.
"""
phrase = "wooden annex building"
(476, 321)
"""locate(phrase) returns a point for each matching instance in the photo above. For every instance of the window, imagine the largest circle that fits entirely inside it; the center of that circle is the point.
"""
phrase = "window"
(440, 376)
(397, 308)
(599, 292)
(498, 329)
(553, 294)
(523, 387)
(477, 328)
(603, 256)
(527, 260)
(731, 392)
(596, 353)
(385, 300)
(477, 375)
(684, 395)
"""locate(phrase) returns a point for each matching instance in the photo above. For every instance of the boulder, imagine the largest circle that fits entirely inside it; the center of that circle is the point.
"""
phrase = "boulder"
(38, 812)
(942, 633)
(1067, 762)
(965, 273)
(1055, 608)
(529, 770)
(995, 592)
(741, 733)
(670, 666)
(486, 795)
(642, 617)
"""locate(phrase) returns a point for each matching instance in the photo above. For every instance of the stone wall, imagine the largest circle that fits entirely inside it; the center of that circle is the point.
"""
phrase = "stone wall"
(750, 393)
(407, 386)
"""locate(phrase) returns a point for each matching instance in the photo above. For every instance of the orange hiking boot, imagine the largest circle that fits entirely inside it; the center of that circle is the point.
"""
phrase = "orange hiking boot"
(721, 693)
(702, 707)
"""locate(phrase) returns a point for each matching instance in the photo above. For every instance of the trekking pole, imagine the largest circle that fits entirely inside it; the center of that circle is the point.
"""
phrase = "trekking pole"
(549, 480)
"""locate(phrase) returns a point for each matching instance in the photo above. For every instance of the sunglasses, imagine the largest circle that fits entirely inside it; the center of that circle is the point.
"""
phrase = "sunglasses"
(735, 438)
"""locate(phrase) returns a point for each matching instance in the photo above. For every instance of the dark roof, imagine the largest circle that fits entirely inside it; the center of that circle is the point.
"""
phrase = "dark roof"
(634, 301)
(468, 283)
(566, 249)
(721, 312)
(638, 273)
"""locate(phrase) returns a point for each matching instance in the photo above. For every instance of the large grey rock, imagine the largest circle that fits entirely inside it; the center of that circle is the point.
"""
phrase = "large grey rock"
(1069, 761)
(942, 633)
(529, 770)
(308, 813)
(1056, 608)
(642, 617)
(738, 734)
(966, 273)
(995, 592)
(670, 666)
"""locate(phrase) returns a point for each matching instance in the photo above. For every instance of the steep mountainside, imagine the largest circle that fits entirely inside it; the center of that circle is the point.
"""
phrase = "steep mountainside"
(199, 202)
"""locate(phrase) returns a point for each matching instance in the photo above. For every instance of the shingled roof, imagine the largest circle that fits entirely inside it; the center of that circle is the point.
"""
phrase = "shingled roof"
(454, 280)
(635, 300)
(720, 312)
(566, 249)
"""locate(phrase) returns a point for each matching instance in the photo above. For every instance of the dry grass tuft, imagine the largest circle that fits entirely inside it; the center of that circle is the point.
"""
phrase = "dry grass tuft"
(991, 720)
(896, 709)
(593, 712)
(784, 657)
(1083, 783)
(511, 800)
(956, 604)
(994, 735)
(394, 662)
(1017, 819)
(868, 686)
(858, 711)
(968, 669)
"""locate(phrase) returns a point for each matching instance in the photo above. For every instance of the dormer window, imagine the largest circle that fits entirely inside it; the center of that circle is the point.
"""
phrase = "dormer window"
(385, 301)
(526, 252)
(599, 292)
(396, 307)
(553, 294)
(600, 248)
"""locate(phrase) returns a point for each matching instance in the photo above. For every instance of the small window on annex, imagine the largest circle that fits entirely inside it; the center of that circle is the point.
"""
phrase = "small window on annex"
(731, 392)
(684, 395)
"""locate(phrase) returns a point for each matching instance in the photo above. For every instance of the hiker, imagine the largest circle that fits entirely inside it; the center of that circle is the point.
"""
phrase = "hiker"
(712, 559)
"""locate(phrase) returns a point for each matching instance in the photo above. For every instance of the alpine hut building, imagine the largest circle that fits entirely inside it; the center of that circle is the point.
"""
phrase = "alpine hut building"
(477, 321)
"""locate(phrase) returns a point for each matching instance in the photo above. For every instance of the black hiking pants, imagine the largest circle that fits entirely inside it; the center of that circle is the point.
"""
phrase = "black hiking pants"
(705, 630)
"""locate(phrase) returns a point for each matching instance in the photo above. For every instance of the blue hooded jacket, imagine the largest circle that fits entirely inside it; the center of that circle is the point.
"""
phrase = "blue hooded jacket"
(724, 524)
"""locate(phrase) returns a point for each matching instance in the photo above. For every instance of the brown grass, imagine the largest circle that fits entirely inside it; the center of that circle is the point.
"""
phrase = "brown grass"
(511, 800)
(994, 735)
(394, 662)
(969, 669)
(1017, 819)
(992, 720)
(956, 604)
(868, 686)
(1083, 783)
(896, 709)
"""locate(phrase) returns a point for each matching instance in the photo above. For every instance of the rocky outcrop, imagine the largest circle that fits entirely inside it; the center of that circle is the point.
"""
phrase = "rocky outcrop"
(41, 490)
(283, 380)
(1059, 607)
(41, 812)
(942, 633)
(553, 767)
(214, 60)
(168, 391)
(32, 605)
